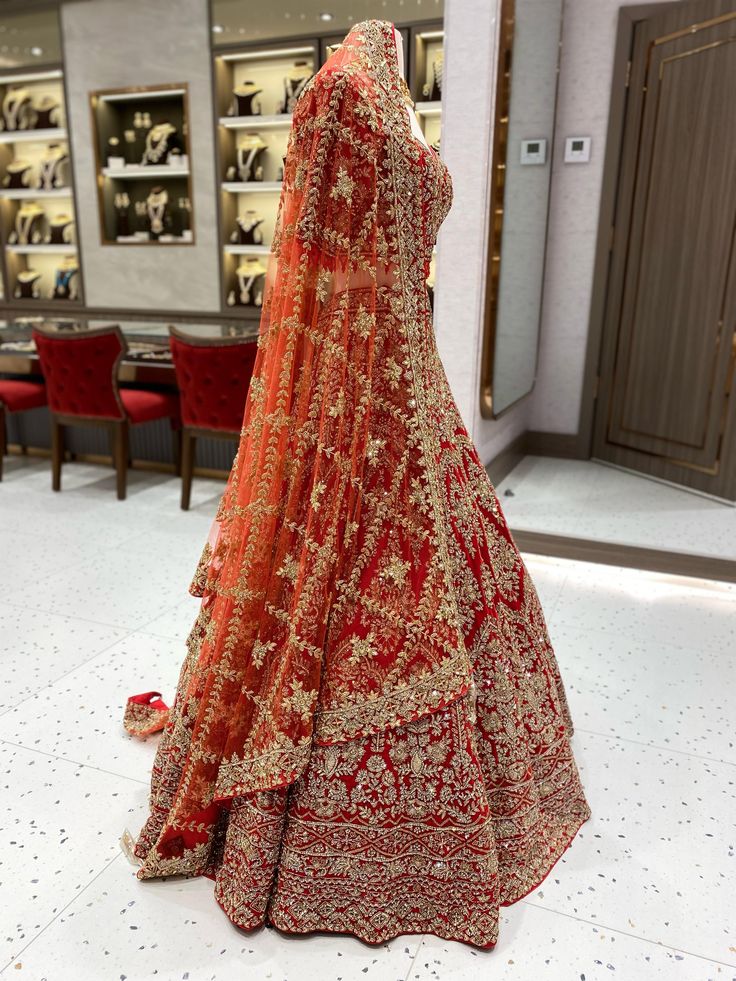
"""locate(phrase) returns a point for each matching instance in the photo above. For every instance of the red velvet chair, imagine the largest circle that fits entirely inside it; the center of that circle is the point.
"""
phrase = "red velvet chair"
(81, 372)
(213, 375)
(17, 396)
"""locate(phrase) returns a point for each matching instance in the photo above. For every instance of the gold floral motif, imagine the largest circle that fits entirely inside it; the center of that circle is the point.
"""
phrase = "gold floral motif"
(343, 186)
(370, 658)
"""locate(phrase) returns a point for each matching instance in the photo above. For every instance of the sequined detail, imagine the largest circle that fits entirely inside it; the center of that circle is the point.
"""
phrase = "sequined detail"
(370, 732)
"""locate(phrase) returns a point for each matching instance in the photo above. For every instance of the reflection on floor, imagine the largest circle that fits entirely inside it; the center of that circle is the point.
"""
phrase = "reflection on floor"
(585, 499)
(95, 608)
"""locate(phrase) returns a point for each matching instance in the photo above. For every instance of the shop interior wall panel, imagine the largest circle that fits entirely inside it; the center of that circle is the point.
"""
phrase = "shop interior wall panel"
(108, 44)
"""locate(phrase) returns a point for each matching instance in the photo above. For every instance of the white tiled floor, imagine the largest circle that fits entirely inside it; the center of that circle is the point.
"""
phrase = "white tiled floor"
(95, 608)
(586, 499)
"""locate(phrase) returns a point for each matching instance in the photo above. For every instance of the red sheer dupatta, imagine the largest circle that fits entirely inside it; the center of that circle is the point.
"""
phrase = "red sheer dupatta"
(328, 607)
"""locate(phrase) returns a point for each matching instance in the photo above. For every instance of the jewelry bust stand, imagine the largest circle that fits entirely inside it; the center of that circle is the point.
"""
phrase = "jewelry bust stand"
(17, 113)
(247, 154)
(251, 276)
(61, 230)
(157, 204)
(46, 113)
(294, 84)
(28, 229)
(244, 100)
(52, 167)
(17, 174)
(161, 141)
(185, 217)
(432, 89)
(122, 214)
(64, 289)
(26, 287)
(248, 231)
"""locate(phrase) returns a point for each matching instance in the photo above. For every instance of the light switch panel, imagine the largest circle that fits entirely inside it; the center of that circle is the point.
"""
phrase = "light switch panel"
(577, 149)
(533, 151)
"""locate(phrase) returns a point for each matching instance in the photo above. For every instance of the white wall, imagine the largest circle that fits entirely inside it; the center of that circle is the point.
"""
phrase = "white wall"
(117, 43)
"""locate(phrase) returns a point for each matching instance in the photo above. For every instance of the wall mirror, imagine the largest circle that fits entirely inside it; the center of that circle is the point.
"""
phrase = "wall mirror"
(521, 167)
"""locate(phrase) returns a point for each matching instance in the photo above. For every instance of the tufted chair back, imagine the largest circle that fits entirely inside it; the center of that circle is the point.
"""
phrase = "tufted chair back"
(81, 371)
(213, 377)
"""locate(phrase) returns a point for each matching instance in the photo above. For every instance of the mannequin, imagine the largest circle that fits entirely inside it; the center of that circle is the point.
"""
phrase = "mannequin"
(52, 166)
(16, 110)
(161, 141)
(17, 174)
(63, 288)
(29, 224)
(251, 275)
(415, 127)
(61, 230)
(184, 215)
(157, 204)
(294, 83)
(46, 113)
(248, 230)
(247, 153)
(433, 87)
(122, 214)
(26, 287)
(244, 100)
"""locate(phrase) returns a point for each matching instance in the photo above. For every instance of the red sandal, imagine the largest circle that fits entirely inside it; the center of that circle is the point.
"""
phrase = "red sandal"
(145, 714)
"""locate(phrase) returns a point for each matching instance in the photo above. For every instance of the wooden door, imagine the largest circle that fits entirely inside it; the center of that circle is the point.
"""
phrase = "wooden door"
(666, 402)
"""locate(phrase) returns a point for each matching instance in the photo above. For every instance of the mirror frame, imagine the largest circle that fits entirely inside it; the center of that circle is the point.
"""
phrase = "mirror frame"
(499, 148)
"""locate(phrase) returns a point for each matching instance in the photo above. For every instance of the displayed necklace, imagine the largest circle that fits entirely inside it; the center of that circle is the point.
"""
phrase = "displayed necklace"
(156, 204)
(157, 142)
(250, 289)
(185, 212)
(62, 281)
(433, 90)
(245, 156)
(248, 231)
(16, 109)
(24, 233)
(294, 84)
(50, 168)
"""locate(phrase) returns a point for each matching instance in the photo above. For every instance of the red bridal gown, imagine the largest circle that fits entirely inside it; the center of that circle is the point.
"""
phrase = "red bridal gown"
(370, 734)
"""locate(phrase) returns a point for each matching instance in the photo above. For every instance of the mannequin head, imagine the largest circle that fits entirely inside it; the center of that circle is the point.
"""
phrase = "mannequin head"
(399, 41)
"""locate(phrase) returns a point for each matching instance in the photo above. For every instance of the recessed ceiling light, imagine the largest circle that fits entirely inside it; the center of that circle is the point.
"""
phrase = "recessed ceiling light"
(326, 15)
(218, 29)
(36, 52)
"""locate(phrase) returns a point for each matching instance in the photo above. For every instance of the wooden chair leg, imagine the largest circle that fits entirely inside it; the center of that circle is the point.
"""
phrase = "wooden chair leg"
(121, 443)
(3, 439)
(176, 436)
(188, 452)
(57, 452)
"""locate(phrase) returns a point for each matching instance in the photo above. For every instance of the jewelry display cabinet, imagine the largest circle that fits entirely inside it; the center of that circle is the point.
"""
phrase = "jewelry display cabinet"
(37, 208)
(143, 165)
(427, 64)
(256, 88)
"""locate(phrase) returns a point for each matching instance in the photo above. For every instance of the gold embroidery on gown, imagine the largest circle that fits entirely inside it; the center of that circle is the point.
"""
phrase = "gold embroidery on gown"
(370, 733)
